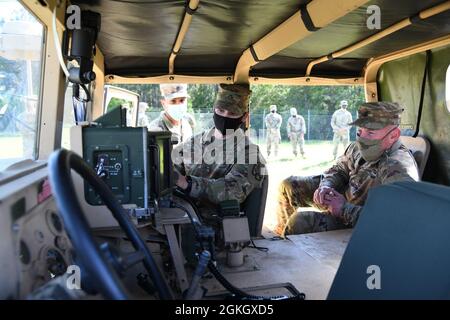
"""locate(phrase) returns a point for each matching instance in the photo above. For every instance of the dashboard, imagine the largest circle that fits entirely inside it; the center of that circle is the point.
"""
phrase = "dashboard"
(34, 246)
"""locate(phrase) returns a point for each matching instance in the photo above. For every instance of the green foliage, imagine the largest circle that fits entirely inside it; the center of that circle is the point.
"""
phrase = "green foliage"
(320, 101)
(317, 99)
(202, 96)
(114, 103)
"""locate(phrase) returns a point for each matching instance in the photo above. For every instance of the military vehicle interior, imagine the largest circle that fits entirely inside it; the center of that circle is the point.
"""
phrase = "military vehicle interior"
(104, 220)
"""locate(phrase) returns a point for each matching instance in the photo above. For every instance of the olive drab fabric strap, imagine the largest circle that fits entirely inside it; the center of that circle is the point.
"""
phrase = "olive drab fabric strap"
(306, 18)
(422, 92)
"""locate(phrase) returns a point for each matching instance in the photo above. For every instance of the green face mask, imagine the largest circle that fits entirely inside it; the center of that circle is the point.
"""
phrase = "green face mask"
(371, 149)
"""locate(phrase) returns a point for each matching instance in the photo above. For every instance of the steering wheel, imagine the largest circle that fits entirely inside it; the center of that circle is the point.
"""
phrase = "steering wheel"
(101, 264)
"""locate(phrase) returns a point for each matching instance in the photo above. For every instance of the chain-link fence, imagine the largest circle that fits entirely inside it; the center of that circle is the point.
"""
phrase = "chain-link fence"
(317, 125)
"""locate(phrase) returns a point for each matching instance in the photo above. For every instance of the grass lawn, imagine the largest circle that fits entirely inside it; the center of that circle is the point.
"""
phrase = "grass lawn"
(318, 157)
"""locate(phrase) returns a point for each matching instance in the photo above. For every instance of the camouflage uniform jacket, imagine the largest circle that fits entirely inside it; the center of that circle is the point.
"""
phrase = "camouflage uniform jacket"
(180, 133)
(273, 122)
(353, 176)
(341, 119)
(218, 176)
(296, 125)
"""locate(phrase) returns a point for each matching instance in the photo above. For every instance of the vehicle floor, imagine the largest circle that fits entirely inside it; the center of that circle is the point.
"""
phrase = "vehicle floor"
(309, 262)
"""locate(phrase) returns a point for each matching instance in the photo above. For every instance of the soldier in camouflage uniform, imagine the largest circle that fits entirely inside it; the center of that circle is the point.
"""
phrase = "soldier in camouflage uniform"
(142, 117)
(220, 163)
(174, 118)
(376, 158)
(296, 129)
(273, 124)
(340, 124)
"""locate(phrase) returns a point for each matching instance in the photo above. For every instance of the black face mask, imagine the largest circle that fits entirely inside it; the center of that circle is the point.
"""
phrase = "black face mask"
(223, 123)
(273, 111)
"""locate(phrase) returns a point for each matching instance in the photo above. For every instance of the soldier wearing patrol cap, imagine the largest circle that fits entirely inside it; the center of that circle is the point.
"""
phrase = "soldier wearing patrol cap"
(341, 129)
(220, 163)
(376, 158)
(296, 129)
(273, 124)
(174, 117)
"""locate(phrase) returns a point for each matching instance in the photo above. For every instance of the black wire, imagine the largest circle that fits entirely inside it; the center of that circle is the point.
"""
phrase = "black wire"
(223, 281)
(88, 94)
(254, 246)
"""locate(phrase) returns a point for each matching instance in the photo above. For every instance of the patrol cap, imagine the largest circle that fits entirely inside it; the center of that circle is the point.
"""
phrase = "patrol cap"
(273, 107)
(173, 90)
(293, 111)
(343, 103)
(378, 115)
(233, 97)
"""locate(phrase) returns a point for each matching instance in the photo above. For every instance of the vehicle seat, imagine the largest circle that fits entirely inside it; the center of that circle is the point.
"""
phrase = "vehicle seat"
(254, 207)
(401, 239)
(420, 149)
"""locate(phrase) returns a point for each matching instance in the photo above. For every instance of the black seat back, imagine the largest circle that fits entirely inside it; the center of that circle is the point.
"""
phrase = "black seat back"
(404, 230)
(420, 149)
(254, 207)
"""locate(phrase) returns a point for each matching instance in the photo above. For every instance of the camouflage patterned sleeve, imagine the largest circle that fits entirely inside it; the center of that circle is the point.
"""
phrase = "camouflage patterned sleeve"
(236, 185)
(303, 124)
(279, 122)
(400, 166)
(337, 177)
(333, 122)
(288, 127)
(350, 119)
(177, 157)
(350, 213)
(156, 125)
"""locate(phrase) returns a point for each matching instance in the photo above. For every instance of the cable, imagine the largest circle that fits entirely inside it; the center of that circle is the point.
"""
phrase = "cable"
(88, 94)
(254, 246)
(223, 281)
(58, 45)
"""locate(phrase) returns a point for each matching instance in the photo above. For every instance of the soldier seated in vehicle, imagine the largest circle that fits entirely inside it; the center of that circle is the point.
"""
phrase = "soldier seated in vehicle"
(377, 157)
(221, 163)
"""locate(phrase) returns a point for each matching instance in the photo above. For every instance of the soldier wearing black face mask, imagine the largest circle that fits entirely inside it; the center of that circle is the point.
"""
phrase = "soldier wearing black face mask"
(220, 163)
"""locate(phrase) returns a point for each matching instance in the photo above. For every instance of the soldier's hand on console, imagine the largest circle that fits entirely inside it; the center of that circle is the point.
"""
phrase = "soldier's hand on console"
(179, 179)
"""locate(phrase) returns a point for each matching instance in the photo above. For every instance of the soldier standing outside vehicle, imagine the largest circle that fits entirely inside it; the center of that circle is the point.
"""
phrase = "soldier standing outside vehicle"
(174, 117)
(296, 129)
(341, 129)
(273, 124)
